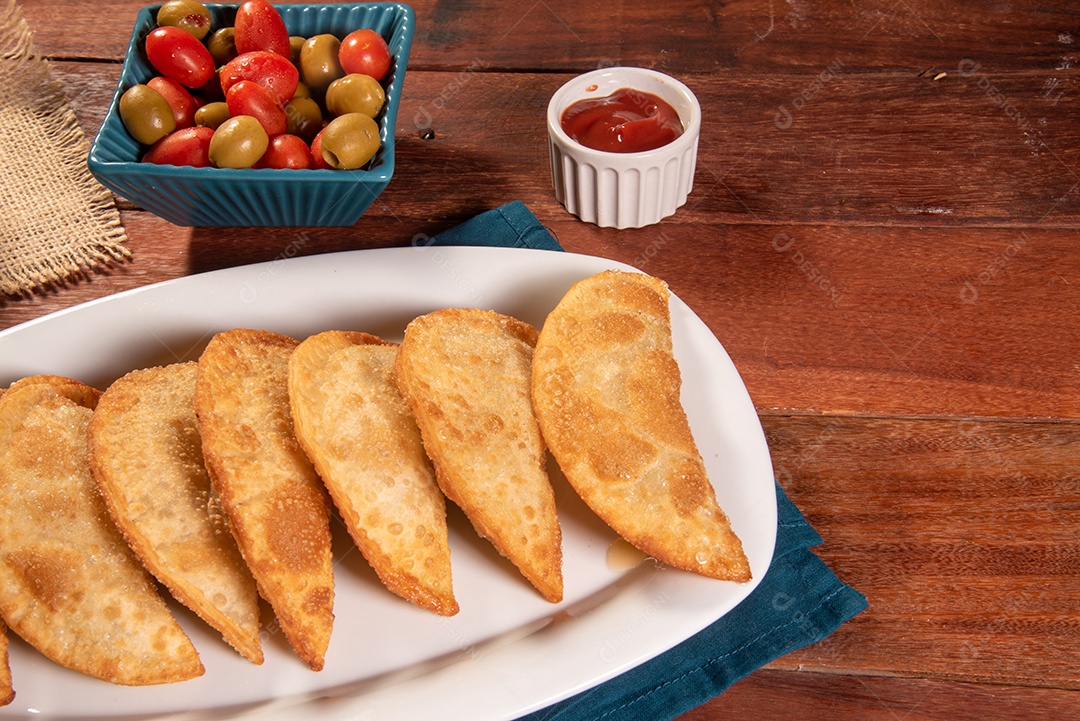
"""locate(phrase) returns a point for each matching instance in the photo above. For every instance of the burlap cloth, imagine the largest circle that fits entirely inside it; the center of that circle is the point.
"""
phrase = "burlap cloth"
(56, 220)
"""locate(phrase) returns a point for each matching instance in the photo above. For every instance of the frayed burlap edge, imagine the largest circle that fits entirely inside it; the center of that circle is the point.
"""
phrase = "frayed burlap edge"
(56, 220)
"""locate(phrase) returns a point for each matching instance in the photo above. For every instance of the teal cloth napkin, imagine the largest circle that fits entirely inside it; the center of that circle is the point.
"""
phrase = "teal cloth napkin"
(512, 225)
(798, 602)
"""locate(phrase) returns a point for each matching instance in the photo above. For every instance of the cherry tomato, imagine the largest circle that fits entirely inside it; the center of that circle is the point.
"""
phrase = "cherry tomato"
(286, 151)
(188, 146)
(259, 26)
(179, 55)
(365, 52)
(179, 99)
(317, 160)
(247, 97)
(270, 70)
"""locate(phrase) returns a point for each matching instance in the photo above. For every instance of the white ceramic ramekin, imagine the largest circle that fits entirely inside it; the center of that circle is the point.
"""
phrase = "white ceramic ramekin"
(623, 190)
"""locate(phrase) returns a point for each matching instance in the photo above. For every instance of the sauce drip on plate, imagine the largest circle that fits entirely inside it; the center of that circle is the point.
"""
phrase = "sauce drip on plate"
(621, 556)
(627, 121)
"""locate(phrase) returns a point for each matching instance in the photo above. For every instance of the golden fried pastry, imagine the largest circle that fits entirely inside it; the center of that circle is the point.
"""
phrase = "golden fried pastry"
(69, 584)
(465, 374)
(7, 692)
(606, 390)
(146, 456)
(275, 502)
(364, 442)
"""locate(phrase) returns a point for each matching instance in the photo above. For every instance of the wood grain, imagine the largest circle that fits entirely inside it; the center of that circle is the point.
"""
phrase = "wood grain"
(983, 148)
(964, 536)
(777, 694)
(900, 321)
(882, 234)
(916, 152)
(732, 38)
(819, 319)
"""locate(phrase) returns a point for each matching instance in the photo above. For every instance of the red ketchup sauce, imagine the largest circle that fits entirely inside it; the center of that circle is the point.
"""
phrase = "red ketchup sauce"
(627, 121)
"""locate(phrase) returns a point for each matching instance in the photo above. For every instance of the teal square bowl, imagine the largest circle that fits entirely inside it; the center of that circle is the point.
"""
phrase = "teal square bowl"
(264, 197)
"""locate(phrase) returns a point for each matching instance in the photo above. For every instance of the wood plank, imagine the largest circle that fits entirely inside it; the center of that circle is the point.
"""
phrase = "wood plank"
(775, 694)
(964, 536)
(1004, 154)
(931, 322)
(744, 37)
(747, 36)
(815, 322)
(866, 149)
(974, 293)
(936, 322)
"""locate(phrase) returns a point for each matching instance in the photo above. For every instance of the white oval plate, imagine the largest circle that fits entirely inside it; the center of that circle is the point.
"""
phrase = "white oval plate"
(508, 652)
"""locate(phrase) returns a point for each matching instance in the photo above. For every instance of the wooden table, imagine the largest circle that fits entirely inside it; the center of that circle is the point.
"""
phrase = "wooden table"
(881, 234)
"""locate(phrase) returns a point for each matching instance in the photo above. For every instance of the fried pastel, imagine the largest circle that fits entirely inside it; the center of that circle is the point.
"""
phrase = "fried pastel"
(606, 390)
(363, 440)
(275, 502)
(146, 456)
(69, 584)
(465, 375)
(7, 692)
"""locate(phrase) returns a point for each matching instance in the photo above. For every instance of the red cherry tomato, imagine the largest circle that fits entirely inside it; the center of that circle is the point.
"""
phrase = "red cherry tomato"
(179, 99)
(258, 26)
(177, 54)
(317, 160)
(247, 97)
(286, 151)
(364, 51)
(188, 146)
(270, 70)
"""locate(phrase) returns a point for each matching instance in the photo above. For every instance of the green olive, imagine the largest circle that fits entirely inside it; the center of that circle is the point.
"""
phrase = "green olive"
(304, 117)
(187, 15)
(212, 115)
(350, 141)
(222, 46)
(319, 64)
(355, 93)
(295, 43)
(239, 142)
(302, 90)
(146, 114)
